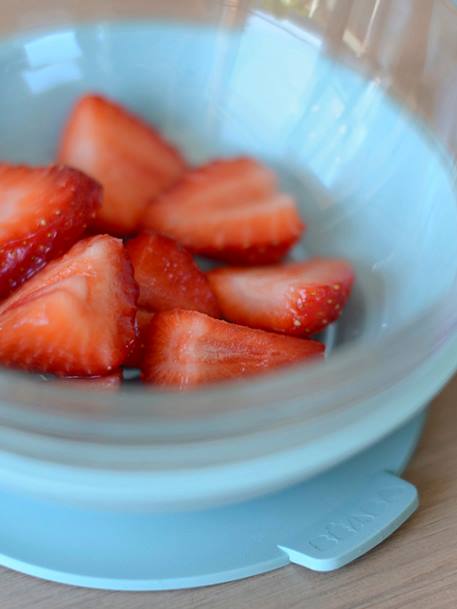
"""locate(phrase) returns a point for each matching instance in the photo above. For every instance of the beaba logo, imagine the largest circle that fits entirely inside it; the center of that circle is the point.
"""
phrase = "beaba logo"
(336, 531)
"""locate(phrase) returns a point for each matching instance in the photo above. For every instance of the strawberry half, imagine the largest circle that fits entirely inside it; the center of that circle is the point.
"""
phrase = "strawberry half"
(130, 159)
(229, 210)
(300, 298)
(76, 317)
(168, 276)
(143, 319)
(186, 348)
(43, 212)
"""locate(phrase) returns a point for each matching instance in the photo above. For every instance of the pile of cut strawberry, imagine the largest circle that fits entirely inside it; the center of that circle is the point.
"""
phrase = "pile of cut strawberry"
(97, 269)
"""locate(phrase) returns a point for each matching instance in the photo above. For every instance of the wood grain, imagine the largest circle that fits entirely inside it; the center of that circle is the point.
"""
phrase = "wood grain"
(414, 569)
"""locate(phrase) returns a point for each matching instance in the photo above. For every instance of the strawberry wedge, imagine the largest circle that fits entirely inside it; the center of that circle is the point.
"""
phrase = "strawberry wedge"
(186, 348)
(76, 317)
(128, 157)
(229, 210)
(43, 212)
(299, 299)
(168, 276)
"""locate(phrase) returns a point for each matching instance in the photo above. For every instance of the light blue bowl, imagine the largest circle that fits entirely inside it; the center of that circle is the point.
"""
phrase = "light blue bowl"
(373, 186)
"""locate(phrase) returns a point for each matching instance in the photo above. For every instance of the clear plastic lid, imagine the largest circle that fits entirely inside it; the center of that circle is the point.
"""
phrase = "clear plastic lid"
(354, 103)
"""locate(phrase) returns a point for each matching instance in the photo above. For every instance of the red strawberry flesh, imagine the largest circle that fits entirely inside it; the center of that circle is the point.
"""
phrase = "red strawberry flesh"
(229, 210)
(43, 212)
(186, 348)
(168, 276)
(76, 317)
(299, 299)
(135, 358)
(131, 160)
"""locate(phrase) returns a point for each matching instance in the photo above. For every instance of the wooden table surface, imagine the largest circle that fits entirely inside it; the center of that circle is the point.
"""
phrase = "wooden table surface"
(414, 569)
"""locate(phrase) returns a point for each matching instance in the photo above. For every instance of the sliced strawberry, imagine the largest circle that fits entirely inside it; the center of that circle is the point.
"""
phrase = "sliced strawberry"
(299, 298)
(132, 161)
(168, 276)
(186, 348)
(43, 212)
(229, 210)
(143, 318)
(110, 382)
(76, 317)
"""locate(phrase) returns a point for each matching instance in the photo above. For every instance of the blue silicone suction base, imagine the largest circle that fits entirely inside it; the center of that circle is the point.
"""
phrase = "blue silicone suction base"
(321, 524)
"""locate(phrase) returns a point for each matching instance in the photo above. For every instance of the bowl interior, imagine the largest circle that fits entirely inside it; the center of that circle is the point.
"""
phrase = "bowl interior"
(372, 184)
